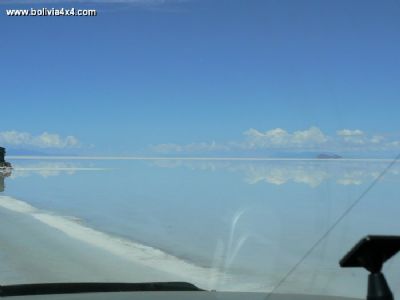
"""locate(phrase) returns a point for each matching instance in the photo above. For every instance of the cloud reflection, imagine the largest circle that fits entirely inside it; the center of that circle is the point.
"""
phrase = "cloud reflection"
(311, 173)
(49, 169)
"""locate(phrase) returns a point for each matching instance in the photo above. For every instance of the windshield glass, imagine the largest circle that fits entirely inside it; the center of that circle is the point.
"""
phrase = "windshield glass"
(236, 145)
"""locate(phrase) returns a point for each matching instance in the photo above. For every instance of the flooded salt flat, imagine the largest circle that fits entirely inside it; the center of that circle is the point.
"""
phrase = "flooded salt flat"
(246, 222)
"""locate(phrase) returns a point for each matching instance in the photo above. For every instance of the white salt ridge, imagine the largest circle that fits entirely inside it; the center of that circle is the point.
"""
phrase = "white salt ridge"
(208, 278)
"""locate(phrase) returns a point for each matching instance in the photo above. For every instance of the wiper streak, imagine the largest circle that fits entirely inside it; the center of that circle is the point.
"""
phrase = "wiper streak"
(92, 287)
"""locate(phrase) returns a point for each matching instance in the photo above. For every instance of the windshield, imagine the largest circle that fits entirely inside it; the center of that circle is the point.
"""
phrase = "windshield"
(236, 145)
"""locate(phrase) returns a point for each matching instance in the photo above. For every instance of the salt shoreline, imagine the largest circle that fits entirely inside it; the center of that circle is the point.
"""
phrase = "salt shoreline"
(39, 246)
(113, 258)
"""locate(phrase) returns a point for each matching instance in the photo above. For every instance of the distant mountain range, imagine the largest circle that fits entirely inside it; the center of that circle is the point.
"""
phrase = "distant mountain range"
(255, 154)
(308, 154)
(328, 156)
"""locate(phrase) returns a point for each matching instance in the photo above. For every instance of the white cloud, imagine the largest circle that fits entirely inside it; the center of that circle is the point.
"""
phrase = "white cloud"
(280, 138)
(377, 139)
(394, 144)
(359, 140)
(274, 137)
(349, 132)
(313, 135)
(166, 148)
(311, 139)
(44, 140)
(189, 148)
(352, 136)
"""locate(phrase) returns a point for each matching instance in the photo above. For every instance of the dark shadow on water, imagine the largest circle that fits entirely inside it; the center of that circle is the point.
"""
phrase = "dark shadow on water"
(6, 172)
(5, 168)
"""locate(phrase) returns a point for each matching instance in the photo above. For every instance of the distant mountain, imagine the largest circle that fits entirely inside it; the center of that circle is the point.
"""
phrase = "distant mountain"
(328, 156)
(259, 153)
(303, 154)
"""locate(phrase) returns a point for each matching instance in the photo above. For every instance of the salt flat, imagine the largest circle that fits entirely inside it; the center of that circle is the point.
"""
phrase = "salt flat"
(32, 251)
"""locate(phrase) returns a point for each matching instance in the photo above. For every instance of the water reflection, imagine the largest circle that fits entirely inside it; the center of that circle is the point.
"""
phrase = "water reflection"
(311, 173)
(249, 235)
(50, 169)
(4, 172)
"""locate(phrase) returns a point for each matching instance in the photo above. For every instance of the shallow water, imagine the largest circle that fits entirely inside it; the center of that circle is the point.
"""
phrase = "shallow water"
(248, 222)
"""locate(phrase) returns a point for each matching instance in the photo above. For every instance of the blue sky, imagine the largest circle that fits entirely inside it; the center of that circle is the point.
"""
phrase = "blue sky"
(146, 77)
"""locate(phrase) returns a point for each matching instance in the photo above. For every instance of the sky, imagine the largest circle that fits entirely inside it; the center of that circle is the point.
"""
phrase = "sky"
(202, 77)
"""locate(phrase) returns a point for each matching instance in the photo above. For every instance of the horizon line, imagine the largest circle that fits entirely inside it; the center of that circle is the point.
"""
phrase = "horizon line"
(38, 157)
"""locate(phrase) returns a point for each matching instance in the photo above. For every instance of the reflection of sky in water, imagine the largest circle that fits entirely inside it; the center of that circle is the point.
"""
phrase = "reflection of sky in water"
(219, 214)
(47, 169)
(311, 173)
